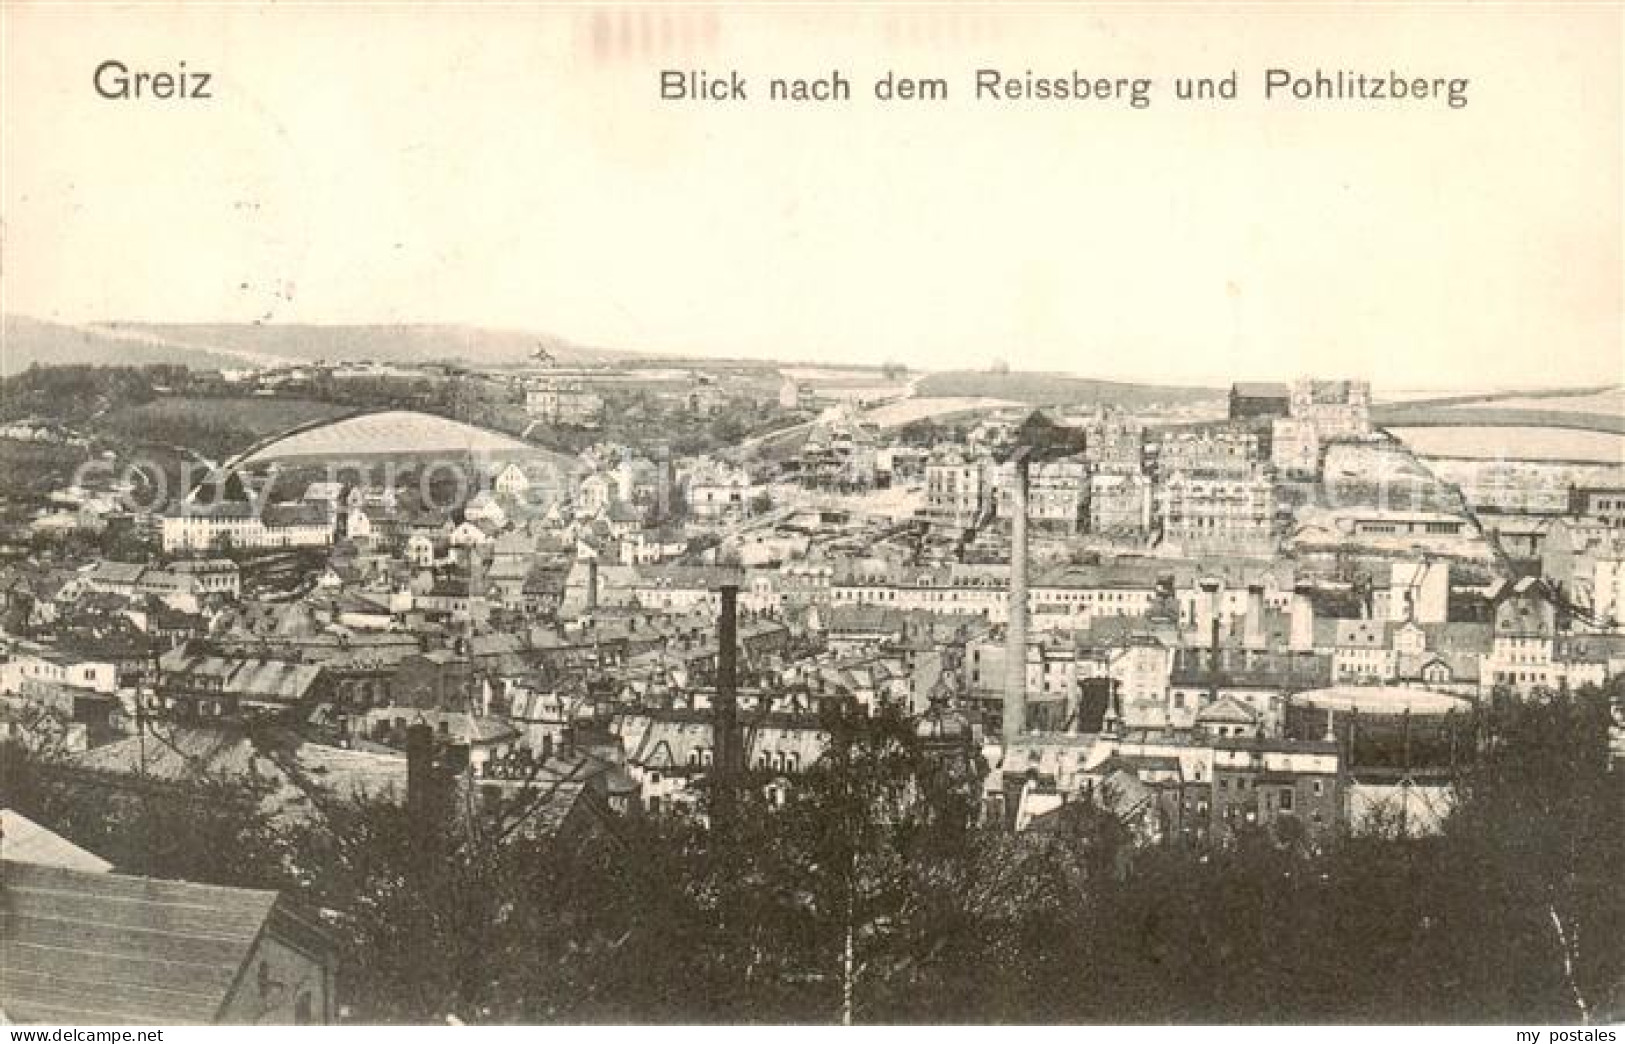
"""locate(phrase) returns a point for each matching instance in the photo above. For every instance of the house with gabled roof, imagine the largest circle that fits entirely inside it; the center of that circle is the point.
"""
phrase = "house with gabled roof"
(89, 947)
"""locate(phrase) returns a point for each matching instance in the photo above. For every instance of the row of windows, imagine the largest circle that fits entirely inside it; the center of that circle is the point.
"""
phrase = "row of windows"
(1287, 795)
(769, 761)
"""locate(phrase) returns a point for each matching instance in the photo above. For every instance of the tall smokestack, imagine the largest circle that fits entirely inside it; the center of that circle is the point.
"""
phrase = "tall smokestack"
(419, 766)
(1015, 653)
(1210, 597)
(592, 585)
(729, 758)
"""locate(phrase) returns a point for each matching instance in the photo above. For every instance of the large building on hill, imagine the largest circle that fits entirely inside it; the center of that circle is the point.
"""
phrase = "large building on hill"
(1335, 409)
(563, 401)
(1250, 399)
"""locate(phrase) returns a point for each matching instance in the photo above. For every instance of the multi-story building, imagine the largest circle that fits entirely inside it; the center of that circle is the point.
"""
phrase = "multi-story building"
(956, 490)
(1605, 504)
(1217, 512)
(1114, 443)
(718, 492)
(213, 575)
(1268, 782)
(978, 590)
(33, 664)
(1336, 409)
(1362, 650)
(1057, 494)
(1217, 451)
(1251, 399)
(1523, 653)
(1295, 448)
(1120, 504)
(560, 400)
(1069, 597)
(243, 526)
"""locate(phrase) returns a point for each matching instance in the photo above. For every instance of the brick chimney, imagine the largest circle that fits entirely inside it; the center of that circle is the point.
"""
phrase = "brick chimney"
(729, 759)
(1015, 651)
(425, 795)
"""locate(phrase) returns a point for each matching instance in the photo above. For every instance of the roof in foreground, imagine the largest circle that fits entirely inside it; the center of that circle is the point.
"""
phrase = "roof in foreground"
(106, 949)
(28, 842)
(391, 433)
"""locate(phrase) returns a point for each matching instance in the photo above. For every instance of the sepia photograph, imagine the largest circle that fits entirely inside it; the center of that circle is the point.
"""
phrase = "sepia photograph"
(729, 514)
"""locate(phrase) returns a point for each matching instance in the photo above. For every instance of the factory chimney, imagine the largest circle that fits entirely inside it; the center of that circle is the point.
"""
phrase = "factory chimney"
(425, 796)
(419, 769)
(1210, 598)
(729, 758)
(1015, 653)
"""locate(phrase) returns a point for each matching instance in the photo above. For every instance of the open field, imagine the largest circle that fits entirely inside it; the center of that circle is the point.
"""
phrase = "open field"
(1512, 442)
(390, 433)
(1044, 389)
(262, 415)
(214, 427)
(907, 411)
(819, 374)
(1611, 401)
(1588, 409)
(1464, 415)
(1399, 396)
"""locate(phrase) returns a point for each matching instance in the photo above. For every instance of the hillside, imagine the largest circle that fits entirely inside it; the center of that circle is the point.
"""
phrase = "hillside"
(24, 342)
(225, 346)
(380, 343)
(1046, 389)
(217, 428)
(1580, 409)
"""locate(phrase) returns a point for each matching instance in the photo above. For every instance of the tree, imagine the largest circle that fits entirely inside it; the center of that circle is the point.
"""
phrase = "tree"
(1530, 858)
(215, 831)
(827, 889)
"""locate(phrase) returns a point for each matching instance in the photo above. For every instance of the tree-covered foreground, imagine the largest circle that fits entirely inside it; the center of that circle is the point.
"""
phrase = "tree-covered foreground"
(874, 894)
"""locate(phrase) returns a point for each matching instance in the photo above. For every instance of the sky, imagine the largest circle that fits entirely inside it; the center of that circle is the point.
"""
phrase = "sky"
(514, 166)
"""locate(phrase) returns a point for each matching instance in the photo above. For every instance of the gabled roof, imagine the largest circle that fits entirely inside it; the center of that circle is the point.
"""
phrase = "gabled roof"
(117, 573)
(106, 949)
(1227, 710)
(28, 842)
(259, 680)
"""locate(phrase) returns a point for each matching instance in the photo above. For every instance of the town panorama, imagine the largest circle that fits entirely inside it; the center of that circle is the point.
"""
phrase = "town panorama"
(599, 687)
